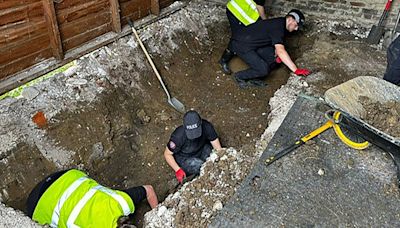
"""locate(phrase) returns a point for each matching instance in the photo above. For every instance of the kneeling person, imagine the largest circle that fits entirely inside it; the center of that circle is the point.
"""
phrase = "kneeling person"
(72, 199)
(190, 145)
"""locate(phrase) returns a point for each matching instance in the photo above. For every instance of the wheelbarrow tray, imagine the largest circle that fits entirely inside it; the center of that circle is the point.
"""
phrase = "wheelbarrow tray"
(345, 98)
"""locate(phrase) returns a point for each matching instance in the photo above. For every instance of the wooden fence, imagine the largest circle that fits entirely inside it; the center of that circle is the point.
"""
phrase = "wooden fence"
(32, 31)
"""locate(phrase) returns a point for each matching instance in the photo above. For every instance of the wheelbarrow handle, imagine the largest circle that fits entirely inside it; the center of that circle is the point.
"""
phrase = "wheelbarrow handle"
(283, 152)
(328, 124)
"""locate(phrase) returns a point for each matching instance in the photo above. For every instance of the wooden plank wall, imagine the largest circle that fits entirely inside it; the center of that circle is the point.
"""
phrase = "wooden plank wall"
(24, 39)
(80, 21)
(165, 3)
(32, 31)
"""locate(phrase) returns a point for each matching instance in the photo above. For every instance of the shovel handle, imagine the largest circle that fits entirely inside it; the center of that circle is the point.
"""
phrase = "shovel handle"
(299, 142)
(283, 152)
(385, 12)
(387, 7)
(149, 59)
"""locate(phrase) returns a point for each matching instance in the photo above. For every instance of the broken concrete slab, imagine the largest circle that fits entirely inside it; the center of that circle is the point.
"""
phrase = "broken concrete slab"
(355, 188)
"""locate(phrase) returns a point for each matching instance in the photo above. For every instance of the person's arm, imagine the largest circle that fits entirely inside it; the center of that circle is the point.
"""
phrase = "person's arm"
(151, 196)
(284, 56)
(170, 159)
(216, 144)
(261, 12)
(179, 172)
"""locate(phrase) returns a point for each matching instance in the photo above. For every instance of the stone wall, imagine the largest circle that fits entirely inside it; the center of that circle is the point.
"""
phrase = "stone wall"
(363, 12)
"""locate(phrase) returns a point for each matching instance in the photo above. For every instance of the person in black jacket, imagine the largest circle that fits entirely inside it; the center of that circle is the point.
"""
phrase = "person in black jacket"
(238, 26)
(261, 46)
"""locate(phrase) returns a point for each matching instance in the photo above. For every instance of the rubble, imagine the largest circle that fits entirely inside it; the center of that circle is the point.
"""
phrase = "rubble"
(121, 72)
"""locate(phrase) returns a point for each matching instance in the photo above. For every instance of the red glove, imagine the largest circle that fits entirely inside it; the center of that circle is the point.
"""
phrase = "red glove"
(302, 72)
(180, 174)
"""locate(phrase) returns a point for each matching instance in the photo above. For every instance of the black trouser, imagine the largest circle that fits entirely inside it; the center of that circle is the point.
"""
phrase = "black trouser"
(192, 164)
(393, 58)
(236, 26)
(137, 194)
(260, 62)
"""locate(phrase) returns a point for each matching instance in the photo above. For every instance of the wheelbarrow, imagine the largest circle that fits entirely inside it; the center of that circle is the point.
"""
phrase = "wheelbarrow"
(345, 98)
(346, 122)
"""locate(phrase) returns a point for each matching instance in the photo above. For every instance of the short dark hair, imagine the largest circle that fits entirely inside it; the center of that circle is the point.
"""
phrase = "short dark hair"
(297, 15)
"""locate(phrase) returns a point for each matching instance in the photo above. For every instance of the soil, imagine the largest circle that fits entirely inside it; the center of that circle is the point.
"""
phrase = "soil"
(334, 57)
(383, 116)
(116, 127)
(119, 139)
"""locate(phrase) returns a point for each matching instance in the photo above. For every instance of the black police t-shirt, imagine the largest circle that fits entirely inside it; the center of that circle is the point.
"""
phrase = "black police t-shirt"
(179, 144)
(262, 33)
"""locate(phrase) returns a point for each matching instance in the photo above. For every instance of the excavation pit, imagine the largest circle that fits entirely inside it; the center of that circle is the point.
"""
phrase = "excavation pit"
(109, 115)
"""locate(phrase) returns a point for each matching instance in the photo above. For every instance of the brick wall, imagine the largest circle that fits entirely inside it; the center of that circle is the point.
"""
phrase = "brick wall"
(363, 12)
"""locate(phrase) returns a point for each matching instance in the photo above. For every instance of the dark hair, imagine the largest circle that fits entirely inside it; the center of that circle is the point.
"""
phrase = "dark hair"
(297, 15)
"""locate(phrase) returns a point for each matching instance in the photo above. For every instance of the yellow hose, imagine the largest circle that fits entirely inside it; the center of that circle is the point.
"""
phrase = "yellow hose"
(344, 138)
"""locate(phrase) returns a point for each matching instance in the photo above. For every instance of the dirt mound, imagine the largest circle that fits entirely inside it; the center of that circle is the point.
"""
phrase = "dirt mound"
(383, 116)
(198, 201)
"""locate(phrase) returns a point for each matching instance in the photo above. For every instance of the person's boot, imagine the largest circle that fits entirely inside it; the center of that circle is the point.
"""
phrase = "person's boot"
(256, 83)
(241, 83)
(224, 61)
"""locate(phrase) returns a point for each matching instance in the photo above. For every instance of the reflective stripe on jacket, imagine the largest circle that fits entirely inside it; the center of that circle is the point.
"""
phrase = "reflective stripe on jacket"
(244, 10)
(75, 200)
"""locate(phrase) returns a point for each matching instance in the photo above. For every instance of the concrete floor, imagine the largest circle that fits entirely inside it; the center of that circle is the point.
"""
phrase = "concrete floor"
(322, 184)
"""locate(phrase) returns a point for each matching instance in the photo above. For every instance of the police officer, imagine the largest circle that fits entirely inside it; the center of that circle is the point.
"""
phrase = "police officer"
(241, 13)
(190, 145)
(393, 62)
(72, 199)
(262, 47)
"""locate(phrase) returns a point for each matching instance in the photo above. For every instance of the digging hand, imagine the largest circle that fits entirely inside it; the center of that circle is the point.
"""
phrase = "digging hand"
(302, 72)
(180, 175)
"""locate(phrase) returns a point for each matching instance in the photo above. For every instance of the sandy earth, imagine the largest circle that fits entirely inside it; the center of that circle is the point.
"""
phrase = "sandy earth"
(109, 117)
(385, 116)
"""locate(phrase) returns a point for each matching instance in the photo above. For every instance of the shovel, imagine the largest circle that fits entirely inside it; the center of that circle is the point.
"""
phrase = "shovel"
(175, 103)
(376, 32)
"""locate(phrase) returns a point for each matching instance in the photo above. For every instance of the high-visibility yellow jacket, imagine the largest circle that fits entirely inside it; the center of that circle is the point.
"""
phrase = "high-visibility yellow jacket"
(244, 10)
(75, 200)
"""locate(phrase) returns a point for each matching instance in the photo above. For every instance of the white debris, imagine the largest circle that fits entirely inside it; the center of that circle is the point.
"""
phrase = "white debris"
(76, 82)
(70, 71)
(213, 157)
(161, 210)
(217, 206)
(30, 93)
